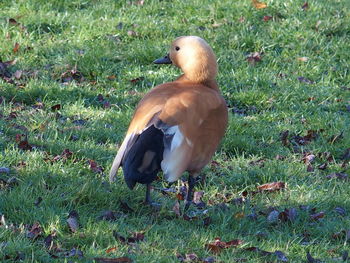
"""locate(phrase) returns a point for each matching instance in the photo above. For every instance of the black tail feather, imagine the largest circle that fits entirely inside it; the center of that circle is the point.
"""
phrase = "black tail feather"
(142, 162)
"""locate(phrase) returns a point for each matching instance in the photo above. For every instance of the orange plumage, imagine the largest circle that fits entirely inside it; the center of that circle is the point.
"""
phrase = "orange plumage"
(186, 117)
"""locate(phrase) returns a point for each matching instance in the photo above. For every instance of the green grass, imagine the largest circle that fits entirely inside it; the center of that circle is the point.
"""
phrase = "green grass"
(58, 36)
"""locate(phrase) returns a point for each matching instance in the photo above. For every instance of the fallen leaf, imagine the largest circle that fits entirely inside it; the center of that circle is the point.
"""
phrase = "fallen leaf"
(323, 166)
(49, 242)
(303, 59)
(38, 201)
(16, 48)
(241, 19)
(305, 6)
(217, 245)
(4, 170)
(197, 199)
(132, 33)
(111, 77)
(113, 260)
(191, 257)
(18, 74)
(305, 80)
(134, 81)
(74, 253)
(284, 137)
(35, 231)
(56, 107)
(95, 167)
(72, 75)
(317, 216)
(310, 259)
(112, 249)
(72, 221)
(259, 5)
(308, 158)
(267, 18)
(273, 216)
(341, 176)
(288, 215)
(24, 145)
(254, 58)
(176, 208)
(136, 237)
(209, 260)
(108, 216)
(280, 256)
(272, 187)
(13, 22)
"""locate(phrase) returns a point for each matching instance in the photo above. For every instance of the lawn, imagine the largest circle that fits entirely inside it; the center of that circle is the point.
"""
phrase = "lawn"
(71, 74)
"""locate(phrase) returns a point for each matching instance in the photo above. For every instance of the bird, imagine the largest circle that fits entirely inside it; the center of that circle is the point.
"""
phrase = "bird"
(177, 126)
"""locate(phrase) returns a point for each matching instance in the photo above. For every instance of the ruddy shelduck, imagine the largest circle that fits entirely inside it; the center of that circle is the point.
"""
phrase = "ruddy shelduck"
(178, 125)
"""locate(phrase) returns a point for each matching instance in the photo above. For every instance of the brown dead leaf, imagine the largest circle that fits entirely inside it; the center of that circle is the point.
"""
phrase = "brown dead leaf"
(305, 6)
(303, 59)
(317, 216)
(18, 74)
(254, 58)
(267, 18)
(132, 33)
(16, 48)
(134, 81)
(111, 77)
(288, 215)
(24, 145)
(72, 221)
(217, 245)
(35, 231)
(259, 5)
(176, 209)
(136, 237)
(111, 250)
(284, 137)
(241, 19)
(13, 22)
(272, 187)
(95, 167)
(323, 166)
(56, 107)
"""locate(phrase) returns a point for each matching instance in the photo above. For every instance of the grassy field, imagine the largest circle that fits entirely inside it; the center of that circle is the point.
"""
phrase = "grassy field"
(69, 90)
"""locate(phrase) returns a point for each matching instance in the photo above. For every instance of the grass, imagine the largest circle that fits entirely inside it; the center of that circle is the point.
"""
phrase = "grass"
(94, 39)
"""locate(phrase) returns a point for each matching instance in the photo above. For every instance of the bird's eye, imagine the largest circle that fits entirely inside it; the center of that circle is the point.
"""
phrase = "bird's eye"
(177, 48)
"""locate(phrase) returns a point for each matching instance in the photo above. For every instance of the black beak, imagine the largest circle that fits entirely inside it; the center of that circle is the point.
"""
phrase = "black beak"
(163, 60)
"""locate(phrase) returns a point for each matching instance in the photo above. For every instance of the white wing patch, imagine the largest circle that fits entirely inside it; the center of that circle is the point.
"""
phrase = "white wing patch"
(175, 155)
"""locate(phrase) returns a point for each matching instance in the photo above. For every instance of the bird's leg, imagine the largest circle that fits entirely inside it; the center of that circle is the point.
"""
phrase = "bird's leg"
(148, 194)
(189, 196)
(148, 199)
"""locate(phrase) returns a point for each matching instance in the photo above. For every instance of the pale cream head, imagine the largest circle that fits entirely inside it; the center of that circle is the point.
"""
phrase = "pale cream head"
(194, 57)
